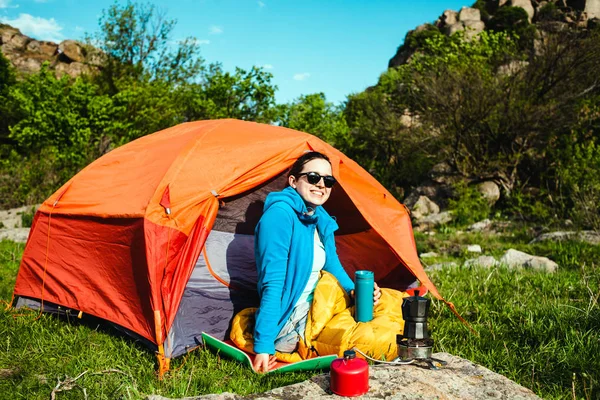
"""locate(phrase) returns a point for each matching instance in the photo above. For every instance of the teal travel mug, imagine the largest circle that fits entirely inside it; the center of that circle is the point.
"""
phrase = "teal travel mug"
(364, 286)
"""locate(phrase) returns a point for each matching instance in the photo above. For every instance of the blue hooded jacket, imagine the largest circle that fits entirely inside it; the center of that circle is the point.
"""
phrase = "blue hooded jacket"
(284, 247)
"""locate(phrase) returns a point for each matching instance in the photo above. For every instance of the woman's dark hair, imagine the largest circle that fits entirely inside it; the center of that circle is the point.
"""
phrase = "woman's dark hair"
(303, 159)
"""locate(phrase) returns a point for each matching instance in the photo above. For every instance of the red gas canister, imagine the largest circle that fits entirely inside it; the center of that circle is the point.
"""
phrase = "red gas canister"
(349, 376)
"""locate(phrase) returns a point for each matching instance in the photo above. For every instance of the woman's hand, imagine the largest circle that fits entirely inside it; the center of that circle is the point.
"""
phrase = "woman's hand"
(263, 362)
(376, 294)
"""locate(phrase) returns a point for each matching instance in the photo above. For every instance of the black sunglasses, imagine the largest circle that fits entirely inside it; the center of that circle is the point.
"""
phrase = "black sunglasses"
(314, 177)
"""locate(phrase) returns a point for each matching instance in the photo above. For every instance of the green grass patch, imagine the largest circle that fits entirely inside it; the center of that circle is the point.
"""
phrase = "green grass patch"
(540, 330)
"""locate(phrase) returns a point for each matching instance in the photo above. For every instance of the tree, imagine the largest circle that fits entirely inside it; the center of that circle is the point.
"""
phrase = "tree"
(7, 79)
(314, 114)
(247, 95)
(135, 41)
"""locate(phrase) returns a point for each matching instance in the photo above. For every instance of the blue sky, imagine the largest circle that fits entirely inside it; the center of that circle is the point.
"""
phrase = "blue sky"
(332, 46)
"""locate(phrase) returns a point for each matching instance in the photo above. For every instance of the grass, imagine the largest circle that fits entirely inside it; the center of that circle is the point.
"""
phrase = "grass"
(540, 330)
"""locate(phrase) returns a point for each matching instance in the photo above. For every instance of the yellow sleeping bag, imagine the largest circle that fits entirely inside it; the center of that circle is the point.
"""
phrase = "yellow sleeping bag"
(331, 328)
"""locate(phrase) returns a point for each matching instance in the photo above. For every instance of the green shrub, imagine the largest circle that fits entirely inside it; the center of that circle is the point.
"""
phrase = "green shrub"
(417, 39)
(581, 179)
(27, 218)
(528, 205)
(549, 12)
(515, 21)
(469, 205)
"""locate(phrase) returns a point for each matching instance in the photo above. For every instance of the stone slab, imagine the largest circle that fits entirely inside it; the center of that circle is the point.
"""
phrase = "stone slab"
(460, 379)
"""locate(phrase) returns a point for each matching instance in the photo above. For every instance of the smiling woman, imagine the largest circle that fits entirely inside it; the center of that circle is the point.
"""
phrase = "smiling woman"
(294, 242)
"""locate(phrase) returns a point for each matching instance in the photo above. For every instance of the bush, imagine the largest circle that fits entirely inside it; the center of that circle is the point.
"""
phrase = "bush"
(469, 205)
(581, 179)
(549, 12)
(514, 21)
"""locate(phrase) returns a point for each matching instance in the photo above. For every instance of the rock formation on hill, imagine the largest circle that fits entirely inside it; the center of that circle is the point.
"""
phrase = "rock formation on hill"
(581, 14)
(27, 55)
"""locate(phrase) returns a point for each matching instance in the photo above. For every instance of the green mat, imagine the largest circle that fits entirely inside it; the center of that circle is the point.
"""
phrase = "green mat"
(313, 364)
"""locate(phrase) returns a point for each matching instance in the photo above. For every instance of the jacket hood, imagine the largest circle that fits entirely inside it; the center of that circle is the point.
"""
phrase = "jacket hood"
(290, 197)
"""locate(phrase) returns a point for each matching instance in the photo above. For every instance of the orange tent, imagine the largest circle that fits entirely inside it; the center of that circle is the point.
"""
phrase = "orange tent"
(127, 238)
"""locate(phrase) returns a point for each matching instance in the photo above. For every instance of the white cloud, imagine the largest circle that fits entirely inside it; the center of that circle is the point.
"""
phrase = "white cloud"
(79, 29)
(301, 77)
(261, 4)
(41, 1)
(6, 4)
(203, 41)
(39, 28)
(267, 66)
(215, 30)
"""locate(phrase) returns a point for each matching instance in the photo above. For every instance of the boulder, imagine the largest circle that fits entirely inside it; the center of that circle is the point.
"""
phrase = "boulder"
(525, 5)
(480, 226)
(28, 65)
(433, 220)
(592, 8)
(490, 191)
(12, 218)
(431, 254)
(450, 17)
(18, 235)
(452, 29)
(73, 69)
(474, 248)
(12, 41)
(47, 49)
(458, 379)
(590, 237)
(482, 261)
(519, 259)
(72, 50)
(469, 14)
(473, 28)
(424, 207)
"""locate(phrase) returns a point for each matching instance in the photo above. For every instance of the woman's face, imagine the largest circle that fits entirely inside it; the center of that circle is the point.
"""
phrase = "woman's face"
(317, 194)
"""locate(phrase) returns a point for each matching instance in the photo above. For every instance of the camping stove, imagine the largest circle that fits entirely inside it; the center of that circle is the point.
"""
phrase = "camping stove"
(415, 344)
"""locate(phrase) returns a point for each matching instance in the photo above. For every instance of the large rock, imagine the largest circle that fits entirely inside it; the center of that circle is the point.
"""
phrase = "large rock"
(469, 14)
(449, 17)
(460, 379)
(13, 41)
(592, 8)
(45, 48)
(473, 28)
(519, 259)
(28, 65)
(73, 69)
(18, 235)
(490, 191)
(590, 237)
(72, 50)
(433, 220)
(480, 226)
(424, 207)
(482, 261)
(13, 218)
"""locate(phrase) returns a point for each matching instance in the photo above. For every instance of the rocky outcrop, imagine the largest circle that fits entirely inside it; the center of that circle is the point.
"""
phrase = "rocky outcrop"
(459, 379)
(578, 14)
(27, 55)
